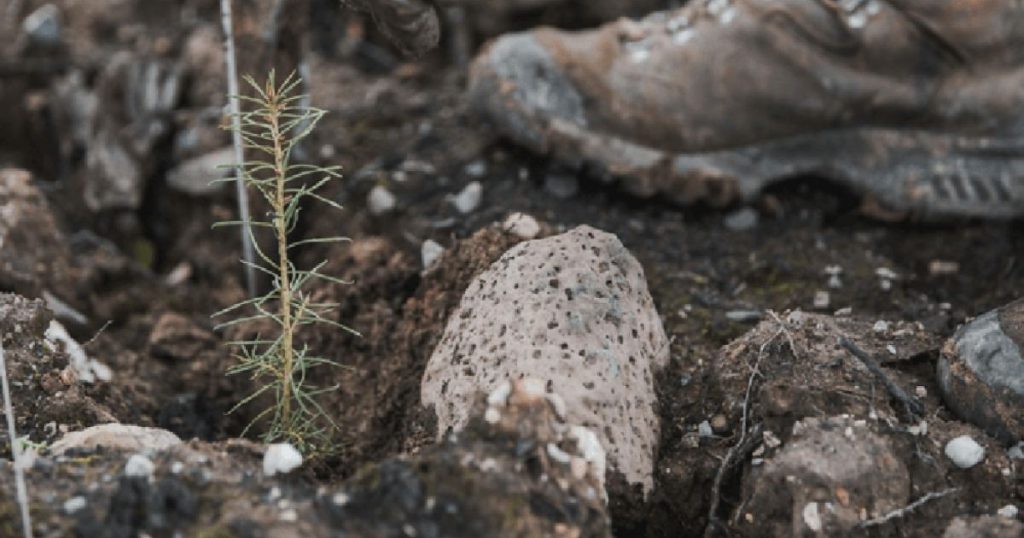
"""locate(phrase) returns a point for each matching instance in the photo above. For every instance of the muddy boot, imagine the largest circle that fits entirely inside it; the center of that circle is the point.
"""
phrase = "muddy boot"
(981, 372)
(917, 104)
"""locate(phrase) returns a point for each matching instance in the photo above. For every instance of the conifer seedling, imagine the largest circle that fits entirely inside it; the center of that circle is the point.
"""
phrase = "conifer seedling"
(273, 124)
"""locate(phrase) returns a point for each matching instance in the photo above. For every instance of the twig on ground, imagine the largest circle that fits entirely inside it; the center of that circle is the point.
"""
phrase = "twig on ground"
(98, 333)
(19, 471)
(785, 331)
(912, 405)
(907, 509)
(236, 138)
(743, 444)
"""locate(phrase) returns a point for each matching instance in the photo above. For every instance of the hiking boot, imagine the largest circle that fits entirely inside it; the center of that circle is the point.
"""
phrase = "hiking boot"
(916, 104)
(981, 372)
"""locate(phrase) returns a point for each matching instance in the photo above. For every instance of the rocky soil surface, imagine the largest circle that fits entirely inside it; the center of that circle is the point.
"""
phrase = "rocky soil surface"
(540, 354)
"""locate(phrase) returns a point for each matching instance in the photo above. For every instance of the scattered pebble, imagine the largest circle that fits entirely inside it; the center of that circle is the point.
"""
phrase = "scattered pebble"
(289, 515)
(919, 429)
(880, 327)
(811, 517)
(1009, 511)
(139, 466)
(822, 300)
(281, 458)
(74, 504)
(943, 268)
(380, 201)
(843, 312)
(522, 225)
(834, 280)
(561, 186)
(704, 429)
(42, 26)
(742, 219)
(965, 452)
(430, 252)
(469, 198)
(1016, 452)
(885, 277)
(476, 168)
(744, 316)
(921, 391)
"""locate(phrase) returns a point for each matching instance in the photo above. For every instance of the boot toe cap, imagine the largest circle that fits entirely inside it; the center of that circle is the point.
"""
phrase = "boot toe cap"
(519, 85)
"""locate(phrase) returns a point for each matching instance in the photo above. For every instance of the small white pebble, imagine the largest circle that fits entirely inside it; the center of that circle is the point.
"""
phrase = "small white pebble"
(1016, 452)
(499, 396)
(919, 429)
(380, 201)
(289, 515)
(430, 252)
(920, 391)
(771, 440)
(492, 415)
(522, 225)
(965, 452)
(822, 299)
(469, 198)
(1009, 511)
(280, 458)
(558, 454)
(139, 466)
(74, 504)
(340, 499)
(704, 429)
(177, 467)
(811, 517)
(891, 349)
(880, 327)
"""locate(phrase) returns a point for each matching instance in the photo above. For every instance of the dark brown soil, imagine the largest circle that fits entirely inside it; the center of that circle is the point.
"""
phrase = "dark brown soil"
(169, 361)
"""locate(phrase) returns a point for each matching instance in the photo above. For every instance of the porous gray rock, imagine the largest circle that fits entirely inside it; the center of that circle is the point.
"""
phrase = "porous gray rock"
(981, 372)
(574, 311)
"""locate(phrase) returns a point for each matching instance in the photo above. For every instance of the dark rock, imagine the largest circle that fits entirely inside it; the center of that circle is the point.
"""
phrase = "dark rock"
(981, 372)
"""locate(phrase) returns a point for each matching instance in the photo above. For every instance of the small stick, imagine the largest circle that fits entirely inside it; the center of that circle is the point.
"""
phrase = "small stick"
(907, 509)
(19, 472)
(741, 446)
(913, 406)
(248, 253)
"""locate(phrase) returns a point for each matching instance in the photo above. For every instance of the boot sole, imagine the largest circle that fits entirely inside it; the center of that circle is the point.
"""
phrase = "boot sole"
(918, 174)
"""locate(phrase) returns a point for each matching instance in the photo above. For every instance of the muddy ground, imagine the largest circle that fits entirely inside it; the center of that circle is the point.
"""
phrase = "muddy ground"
(147, 279)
